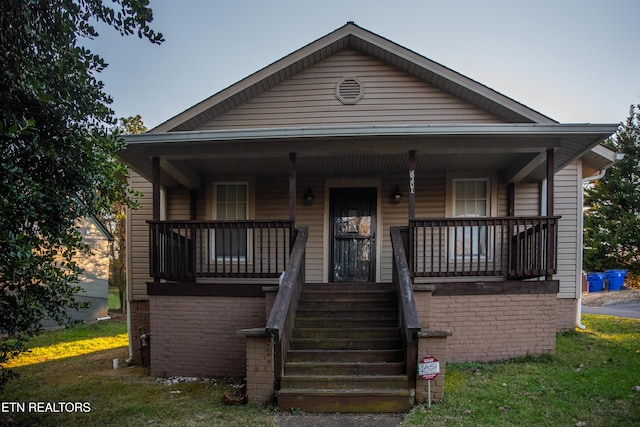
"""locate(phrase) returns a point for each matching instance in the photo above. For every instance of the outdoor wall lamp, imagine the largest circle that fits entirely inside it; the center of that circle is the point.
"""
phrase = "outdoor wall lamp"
(307, 197)
(396, 196)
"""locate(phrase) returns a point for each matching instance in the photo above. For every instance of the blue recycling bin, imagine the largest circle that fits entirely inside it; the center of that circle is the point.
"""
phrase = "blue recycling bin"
(596, 281)
(615, 279)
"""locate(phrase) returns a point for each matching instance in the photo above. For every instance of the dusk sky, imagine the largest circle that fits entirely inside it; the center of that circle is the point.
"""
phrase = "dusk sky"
(575, 61)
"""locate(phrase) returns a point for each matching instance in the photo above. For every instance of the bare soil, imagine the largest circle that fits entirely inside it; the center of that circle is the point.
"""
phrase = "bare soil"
(624, 296)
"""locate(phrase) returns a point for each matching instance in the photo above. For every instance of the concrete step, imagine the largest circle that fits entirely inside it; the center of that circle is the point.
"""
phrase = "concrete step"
(348, 286)
(344, 368)
(370, 332)
(395, 355)
(370, 320)
(337, 313)
(335, 400)
(345, 344)
(344, 382)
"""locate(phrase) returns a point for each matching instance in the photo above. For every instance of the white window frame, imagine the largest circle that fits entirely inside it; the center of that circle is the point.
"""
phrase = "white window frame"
(214, 213)
(491, 208)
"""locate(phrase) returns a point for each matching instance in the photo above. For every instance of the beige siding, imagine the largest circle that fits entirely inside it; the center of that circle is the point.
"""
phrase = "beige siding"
(138, 239)
(527, 199)
(390, 96)
(567, 185)
(313, 217)
(178, 204)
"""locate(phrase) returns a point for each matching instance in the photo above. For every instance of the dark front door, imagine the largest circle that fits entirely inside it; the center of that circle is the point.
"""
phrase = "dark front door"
(353, 226)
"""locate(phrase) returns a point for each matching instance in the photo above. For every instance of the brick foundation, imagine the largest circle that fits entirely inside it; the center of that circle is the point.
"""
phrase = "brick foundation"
(492, 327)
(432, 343)
(260, 379)
(566, 314)
(139, 319)
(197, 335)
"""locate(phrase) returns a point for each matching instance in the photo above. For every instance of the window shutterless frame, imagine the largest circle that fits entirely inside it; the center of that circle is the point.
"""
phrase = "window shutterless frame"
(230, 203)
(471, 199)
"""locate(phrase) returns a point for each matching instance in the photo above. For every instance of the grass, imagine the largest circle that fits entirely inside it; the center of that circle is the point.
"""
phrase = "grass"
(76, 365)
(113, 299)
(590, 381)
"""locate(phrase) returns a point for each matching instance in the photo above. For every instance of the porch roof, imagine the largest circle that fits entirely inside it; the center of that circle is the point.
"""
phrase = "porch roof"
(516, 151)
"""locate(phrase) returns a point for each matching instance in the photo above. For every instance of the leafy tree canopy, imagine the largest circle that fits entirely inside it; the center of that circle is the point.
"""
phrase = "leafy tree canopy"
(612, 215)
(56, 152)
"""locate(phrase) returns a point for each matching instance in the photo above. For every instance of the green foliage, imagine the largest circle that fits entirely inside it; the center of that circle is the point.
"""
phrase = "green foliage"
(612, 215)
(57, 163)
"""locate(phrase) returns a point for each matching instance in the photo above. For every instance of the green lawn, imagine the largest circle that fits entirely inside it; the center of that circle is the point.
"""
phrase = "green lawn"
(113, 301)
(590, 381)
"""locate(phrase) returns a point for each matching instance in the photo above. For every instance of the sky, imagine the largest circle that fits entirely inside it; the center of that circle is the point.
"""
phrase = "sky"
(576, 61)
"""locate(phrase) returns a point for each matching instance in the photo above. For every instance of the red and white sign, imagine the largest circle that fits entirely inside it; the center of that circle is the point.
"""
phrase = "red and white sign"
(428, 368)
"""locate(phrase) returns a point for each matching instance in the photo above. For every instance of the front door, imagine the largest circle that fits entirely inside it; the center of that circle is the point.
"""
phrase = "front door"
(353, 226)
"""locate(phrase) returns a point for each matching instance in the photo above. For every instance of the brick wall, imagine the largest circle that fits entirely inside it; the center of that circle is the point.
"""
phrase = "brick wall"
(260, 379)
(139, 318)
(566, 313)
(195, 335)
(432, 343)
(492, 327)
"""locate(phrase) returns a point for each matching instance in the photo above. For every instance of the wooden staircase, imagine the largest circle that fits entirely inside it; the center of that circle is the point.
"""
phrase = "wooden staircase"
(346, 351)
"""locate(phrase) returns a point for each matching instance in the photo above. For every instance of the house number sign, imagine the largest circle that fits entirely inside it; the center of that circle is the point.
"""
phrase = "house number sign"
(412, 181)
(428, 368)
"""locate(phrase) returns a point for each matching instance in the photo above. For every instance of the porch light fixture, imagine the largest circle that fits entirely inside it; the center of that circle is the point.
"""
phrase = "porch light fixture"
(396, 196)
(307, 197)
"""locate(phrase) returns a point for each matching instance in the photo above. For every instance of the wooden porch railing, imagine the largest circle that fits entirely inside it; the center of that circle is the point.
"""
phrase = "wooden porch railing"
(409, 321)
(186, 250)
(514, 247)
(282, 317)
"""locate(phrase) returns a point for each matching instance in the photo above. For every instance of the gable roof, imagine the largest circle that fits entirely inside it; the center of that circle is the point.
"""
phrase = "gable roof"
(354, 37)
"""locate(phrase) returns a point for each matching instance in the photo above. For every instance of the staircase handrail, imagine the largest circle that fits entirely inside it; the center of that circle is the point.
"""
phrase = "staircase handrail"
(410, 322)
(282, 316)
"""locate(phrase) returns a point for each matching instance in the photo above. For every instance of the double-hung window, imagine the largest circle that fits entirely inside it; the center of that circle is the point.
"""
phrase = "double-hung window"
(471, 200)
(231, 204)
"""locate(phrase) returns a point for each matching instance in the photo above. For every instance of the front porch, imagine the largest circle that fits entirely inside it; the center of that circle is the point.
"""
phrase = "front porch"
(466, 251)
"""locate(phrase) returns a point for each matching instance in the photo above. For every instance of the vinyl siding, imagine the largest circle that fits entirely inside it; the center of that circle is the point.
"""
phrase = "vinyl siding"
(567, 185)
(527, 199)
(138, 239)
(390, 96)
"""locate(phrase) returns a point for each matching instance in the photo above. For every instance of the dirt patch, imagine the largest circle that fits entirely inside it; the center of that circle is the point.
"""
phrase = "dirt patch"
(625, 296)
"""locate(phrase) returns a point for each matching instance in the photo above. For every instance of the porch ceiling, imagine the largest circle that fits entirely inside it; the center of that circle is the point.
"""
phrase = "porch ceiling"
(348, 166)
(516, 152)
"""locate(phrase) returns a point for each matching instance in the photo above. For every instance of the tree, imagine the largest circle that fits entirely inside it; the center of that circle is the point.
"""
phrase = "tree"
(116, 222)
(57, 153)
(612, 214)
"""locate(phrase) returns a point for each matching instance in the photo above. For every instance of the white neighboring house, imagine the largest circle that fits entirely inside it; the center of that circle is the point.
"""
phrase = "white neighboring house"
(94, 281)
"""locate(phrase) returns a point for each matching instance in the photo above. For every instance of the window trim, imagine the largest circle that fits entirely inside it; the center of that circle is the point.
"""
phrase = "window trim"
(491, 209)
(213, 214)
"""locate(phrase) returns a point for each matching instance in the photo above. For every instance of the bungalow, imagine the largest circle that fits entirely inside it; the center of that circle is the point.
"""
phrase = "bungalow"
(326, 223)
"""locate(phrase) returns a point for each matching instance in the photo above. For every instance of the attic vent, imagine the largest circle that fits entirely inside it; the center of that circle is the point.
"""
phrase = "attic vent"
(349, 91)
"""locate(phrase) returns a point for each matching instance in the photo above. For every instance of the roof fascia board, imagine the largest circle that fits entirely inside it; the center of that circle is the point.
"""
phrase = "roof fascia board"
(605, 152)
(537, 130)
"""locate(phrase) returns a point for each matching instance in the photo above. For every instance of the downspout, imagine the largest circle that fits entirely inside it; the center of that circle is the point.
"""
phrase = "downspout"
(581, 243)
